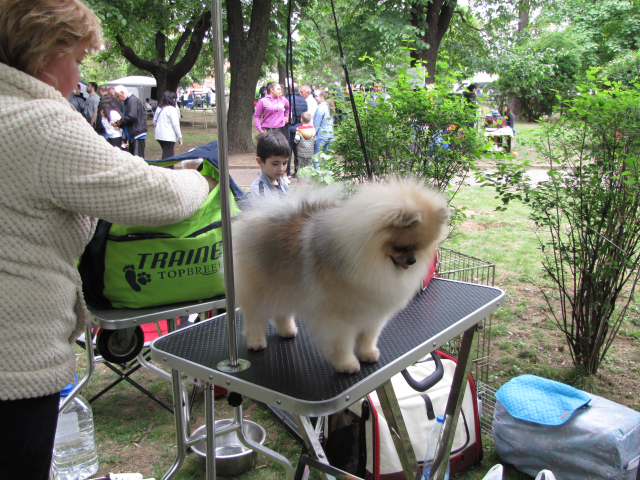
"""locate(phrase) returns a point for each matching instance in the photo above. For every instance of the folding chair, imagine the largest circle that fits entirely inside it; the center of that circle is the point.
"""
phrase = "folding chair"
(125, 352)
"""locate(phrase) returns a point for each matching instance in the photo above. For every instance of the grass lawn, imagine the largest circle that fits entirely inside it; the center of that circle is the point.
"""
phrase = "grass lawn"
(135, 434)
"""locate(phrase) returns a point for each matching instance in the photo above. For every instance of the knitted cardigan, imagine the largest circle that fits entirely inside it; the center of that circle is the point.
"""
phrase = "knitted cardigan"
(58, 175)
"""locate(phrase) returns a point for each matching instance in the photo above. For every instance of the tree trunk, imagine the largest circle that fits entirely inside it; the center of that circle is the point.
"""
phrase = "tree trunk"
(282, 74)
(168, 73)
(515, 106)
(432, 21)
(523, 15)
(246, 55)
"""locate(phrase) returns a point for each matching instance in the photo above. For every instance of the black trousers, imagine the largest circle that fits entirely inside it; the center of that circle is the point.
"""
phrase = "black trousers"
(116, 142)
(136, 147)
(168, 148)
(27, 433)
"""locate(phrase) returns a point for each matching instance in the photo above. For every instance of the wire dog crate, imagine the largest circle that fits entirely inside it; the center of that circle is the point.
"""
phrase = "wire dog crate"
(458, 266)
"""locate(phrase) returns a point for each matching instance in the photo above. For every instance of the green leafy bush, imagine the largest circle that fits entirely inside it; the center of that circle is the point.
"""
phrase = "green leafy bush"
(424, 132)
(587, 213)
(625, 69)
(536, 78)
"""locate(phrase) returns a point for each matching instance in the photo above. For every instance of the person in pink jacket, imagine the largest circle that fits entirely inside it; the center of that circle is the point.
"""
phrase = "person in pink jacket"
(272, 111)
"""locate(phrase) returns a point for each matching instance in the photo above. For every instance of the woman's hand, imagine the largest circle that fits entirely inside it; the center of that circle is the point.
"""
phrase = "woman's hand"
(179, 143)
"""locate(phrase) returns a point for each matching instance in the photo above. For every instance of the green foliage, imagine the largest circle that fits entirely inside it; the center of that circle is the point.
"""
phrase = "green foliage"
(424, 132)
(606, 28)
(164, 39)
(536, 78)
(366, 28)
(384, 31)
(101, 69)
(324, 175)
(625, 69)
(587, 213)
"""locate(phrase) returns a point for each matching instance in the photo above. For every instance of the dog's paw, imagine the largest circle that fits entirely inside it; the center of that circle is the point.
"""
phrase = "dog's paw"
(256, 343)
(286, 327)
(347, 365)
(370, 355)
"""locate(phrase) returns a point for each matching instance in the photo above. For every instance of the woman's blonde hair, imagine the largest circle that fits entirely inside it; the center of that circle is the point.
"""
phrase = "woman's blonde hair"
(30, 30)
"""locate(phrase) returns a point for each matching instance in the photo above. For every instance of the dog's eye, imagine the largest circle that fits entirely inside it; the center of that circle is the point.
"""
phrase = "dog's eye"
(402, 249)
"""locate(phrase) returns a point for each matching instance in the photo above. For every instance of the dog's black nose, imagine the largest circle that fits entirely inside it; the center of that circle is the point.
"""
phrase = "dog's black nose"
(411, 260)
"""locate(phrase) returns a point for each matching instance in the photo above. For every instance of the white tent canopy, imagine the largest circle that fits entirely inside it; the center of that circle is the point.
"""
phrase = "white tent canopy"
(134, 80)
(139, 85)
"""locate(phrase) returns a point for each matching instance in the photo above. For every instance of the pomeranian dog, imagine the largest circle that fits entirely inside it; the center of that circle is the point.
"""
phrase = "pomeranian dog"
(344, 264)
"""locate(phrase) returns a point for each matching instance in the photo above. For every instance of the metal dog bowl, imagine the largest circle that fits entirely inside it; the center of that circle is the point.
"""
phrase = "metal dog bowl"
(232, 458)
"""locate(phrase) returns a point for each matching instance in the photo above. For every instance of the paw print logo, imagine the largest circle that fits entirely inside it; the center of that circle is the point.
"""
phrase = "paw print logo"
(134, 281)
(130, 277)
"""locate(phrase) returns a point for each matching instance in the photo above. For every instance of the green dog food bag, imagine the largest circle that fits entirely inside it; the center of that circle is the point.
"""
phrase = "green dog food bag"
(138, 266)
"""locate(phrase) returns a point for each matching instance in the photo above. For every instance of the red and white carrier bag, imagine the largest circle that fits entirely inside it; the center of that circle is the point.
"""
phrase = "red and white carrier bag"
(419, 411)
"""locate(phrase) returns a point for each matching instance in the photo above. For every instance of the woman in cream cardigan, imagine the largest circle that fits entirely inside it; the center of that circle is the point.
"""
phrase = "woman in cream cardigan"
(58, 176)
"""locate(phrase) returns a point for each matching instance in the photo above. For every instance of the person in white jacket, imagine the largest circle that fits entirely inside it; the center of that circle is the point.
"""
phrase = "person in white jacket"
(58, 177)
(167, 123)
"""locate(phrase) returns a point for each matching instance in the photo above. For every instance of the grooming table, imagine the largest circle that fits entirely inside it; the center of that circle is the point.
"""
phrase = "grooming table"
(290, 374)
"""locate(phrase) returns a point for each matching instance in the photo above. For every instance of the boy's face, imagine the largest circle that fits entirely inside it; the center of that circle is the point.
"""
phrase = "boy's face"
(273, 167)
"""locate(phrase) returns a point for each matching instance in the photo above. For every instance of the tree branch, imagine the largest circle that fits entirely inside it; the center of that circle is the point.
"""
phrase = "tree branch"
(195, 45)
(465, 21)
(181, 41)
(135, 60)
(160, 45)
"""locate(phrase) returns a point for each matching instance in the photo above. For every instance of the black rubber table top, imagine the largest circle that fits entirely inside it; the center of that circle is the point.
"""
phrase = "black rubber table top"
(294, 368)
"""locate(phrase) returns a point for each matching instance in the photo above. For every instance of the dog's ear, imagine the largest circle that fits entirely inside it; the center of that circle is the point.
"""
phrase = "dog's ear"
(402, 218)
(442, 214)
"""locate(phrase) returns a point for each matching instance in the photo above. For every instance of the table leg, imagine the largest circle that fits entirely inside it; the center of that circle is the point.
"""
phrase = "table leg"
(276, 457)
(172, 326)
(454, 405)
(209, 418)
(398, 429)
(178, 417)
(312, 443)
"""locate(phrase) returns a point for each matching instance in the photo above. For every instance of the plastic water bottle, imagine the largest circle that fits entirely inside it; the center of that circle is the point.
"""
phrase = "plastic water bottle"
(74, 452)
(432, 442)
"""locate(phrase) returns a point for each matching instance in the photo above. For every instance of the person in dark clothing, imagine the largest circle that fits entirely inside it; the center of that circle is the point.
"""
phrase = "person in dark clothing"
(511, 118)
(472, 100)
(135, 120)
(103, 92)
(77, 99)
(297, 106)
(470, 95)
(263, 91)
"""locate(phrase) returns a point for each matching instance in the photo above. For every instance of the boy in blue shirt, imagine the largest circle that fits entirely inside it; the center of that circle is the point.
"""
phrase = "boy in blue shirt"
(273, 153)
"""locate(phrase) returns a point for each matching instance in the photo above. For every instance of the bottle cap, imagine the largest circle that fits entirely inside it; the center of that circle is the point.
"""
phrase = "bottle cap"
(440, 418)
(69, 388)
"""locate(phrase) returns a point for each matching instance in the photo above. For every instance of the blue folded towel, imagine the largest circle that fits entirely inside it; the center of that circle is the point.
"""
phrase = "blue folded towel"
(540, 400)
